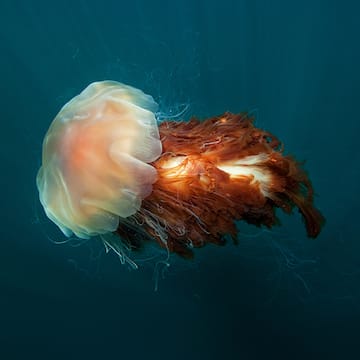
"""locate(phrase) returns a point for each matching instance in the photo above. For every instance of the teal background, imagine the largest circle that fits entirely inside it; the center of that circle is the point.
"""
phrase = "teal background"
(295, 66)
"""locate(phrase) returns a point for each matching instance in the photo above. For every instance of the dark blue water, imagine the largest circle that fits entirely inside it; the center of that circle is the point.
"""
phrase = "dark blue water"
(295, 65)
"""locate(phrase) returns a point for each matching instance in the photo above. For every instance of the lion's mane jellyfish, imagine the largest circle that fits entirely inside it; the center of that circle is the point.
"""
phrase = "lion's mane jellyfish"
(108, 169)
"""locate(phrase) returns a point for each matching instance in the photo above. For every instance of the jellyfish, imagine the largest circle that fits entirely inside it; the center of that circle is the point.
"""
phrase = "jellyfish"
(110, 170)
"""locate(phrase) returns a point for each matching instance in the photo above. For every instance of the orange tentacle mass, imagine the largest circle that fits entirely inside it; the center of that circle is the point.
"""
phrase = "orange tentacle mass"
(213, 173)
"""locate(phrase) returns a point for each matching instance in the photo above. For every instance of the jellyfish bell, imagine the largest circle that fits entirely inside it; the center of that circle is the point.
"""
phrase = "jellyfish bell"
(95, 162)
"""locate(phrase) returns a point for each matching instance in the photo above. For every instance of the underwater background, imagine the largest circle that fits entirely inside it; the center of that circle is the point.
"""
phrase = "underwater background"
(292, 64)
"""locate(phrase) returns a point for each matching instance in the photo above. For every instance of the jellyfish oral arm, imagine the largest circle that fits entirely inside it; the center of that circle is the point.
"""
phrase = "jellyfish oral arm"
(218, 171)
(249, 168)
